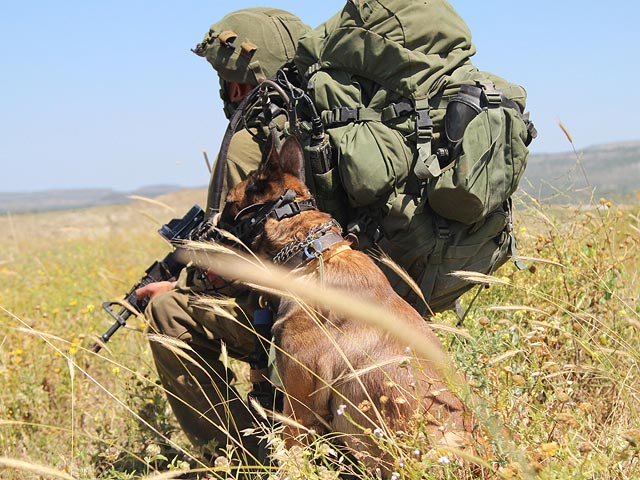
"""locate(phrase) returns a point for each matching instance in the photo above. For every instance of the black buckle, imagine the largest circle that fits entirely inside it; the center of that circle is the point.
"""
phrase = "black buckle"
(490, 94)
(443, 231)
(402, 108)
(293, 208)
(346, 114)
(423, 120)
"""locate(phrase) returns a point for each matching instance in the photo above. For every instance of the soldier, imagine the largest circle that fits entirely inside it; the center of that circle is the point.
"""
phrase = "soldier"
(245, 47)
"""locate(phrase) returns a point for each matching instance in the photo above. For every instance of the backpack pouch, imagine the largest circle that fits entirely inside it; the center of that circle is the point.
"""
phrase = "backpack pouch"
(373, 161)
(484, 250)
(479, 248)
(487, 171)
(409, 237)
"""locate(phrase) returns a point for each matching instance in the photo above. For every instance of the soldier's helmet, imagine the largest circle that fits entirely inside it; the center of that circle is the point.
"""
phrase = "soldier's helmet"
(250, 45)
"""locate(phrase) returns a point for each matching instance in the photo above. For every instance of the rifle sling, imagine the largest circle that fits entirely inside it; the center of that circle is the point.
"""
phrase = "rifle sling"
(221, 162)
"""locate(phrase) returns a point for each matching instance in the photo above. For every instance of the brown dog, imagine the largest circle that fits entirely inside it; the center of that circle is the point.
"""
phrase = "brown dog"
(338, 373)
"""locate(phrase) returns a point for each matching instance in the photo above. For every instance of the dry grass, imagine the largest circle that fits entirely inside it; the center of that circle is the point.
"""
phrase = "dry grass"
(552, 352)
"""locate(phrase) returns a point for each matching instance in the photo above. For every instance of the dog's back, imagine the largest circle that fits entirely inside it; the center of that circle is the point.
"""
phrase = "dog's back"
(360, 377)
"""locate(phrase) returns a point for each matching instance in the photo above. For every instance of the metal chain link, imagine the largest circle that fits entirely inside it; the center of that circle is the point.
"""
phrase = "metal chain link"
(294, 247)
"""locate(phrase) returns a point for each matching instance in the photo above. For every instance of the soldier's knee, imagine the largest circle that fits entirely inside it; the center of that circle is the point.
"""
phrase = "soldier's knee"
(166, 314)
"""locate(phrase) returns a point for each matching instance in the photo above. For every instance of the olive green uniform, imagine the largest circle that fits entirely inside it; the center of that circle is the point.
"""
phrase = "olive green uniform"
(246, 46)
(206, 407)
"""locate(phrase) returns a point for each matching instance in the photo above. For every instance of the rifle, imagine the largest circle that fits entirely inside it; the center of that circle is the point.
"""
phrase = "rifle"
(166, 269)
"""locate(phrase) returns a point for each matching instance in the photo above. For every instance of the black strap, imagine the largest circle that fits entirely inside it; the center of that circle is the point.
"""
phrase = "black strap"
(491, 97)
(221, 162)
(249, 219)
(343, 115)
(293, 208)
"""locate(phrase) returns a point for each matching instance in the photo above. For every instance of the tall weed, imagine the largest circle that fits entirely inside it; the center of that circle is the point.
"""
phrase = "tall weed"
(551, 354)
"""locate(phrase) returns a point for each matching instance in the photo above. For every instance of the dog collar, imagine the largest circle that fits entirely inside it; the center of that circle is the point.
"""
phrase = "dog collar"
(318, 239)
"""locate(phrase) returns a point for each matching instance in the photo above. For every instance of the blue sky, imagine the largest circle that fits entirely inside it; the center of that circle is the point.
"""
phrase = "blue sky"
(108, 95)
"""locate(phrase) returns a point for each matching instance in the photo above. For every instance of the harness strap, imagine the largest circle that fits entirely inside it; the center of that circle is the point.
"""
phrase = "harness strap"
(316, 248)
(316, 251)
(293, 208)
(259, 358)
(284, 207)
(317, 241)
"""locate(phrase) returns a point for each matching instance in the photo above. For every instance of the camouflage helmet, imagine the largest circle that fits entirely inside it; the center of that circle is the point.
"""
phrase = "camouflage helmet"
(250, 45)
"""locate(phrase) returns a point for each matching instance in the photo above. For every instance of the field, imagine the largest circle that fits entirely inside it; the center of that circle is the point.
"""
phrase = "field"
(551, 351)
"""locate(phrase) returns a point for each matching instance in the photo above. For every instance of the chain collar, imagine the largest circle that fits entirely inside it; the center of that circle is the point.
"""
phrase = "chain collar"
(310, 246)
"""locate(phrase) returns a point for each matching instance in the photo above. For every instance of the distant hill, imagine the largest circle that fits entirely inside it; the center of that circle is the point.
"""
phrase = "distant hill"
(611, 171)
(67, 199)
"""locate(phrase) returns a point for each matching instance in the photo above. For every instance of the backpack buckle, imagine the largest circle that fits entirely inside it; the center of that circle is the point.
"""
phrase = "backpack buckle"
(491, 96)
(340, 115)
(346, 114)
(395, 110)
(424, 124)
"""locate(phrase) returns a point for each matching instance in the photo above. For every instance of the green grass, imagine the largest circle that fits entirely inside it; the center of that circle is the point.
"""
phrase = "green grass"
(553, 351)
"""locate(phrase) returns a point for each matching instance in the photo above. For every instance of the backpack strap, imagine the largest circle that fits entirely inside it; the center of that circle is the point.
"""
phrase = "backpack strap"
(487, 95)
(513, 247)
(435, 259)
(341, 115)
(398, 109)
(424, 129)
(427, 164)
(311, 71)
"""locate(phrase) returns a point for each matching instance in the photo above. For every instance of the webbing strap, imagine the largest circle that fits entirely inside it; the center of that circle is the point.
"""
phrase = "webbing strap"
(221, 161)
(492, 95)
(312, 70)
(259, 358)
(427, 164)
(486, 94)
(293, 208)
(342, 115)
(512, 247)
(395, 110)
(435, 259)
(429, 168)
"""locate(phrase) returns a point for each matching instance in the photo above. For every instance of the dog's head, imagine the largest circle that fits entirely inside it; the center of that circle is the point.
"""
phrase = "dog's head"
(278, 180)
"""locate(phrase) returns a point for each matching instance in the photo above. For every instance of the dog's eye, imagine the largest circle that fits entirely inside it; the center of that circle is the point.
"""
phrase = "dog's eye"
(229, 212)
(248, 212)
(255, 186)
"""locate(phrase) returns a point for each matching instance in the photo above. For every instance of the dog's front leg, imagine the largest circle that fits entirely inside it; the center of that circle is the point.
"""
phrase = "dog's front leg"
(305, 405)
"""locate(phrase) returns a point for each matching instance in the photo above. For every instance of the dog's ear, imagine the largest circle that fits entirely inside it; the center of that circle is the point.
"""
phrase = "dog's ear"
(292, 157)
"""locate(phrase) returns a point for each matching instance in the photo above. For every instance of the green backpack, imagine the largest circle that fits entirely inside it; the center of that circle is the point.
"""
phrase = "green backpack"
(427, 149)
